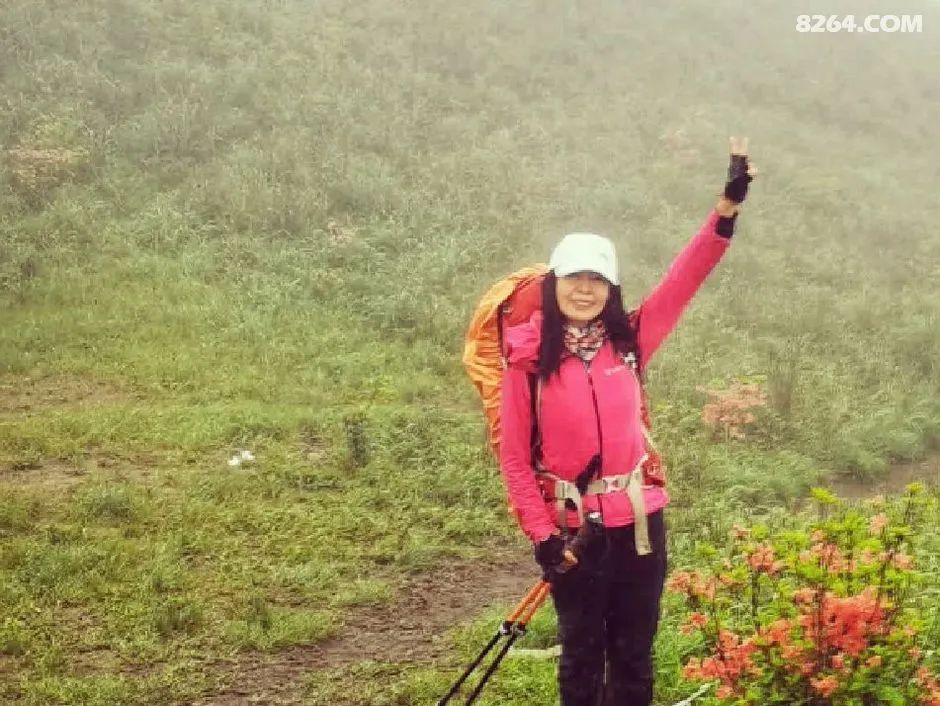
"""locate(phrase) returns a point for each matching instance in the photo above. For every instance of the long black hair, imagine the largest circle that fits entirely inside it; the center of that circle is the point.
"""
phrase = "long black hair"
(620, 328)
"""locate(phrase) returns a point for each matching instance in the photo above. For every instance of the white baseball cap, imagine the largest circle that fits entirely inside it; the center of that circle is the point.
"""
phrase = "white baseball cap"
(585, 252)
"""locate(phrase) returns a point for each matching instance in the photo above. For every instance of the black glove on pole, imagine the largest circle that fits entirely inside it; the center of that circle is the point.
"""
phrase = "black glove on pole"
(550, 552)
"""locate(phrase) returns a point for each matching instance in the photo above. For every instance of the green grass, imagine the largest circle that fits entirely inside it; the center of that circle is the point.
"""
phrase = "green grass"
(266, 224)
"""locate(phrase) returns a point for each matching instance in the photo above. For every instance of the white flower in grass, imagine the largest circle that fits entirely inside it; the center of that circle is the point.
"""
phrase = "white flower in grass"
(241, 457)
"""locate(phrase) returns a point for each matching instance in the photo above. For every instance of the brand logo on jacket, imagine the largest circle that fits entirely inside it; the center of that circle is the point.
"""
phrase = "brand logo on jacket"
(613, 371)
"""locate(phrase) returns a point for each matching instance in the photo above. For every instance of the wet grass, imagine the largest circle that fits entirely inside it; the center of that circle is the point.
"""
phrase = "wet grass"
(264, 225)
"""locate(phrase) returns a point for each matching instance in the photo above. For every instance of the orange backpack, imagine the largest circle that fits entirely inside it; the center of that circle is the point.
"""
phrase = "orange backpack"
(511, 301)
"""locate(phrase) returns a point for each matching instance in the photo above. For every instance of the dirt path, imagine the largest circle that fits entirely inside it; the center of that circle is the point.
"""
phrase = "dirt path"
(898, 477)
(427, 605)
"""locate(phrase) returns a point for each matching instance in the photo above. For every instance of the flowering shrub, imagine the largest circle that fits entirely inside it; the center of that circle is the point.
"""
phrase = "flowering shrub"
(836, 615)
(728, 412)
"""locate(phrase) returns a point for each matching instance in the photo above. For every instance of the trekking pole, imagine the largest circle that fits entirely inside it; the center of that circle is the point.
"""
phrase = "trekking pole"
(518, 630)
(589, 532)
(505, 628)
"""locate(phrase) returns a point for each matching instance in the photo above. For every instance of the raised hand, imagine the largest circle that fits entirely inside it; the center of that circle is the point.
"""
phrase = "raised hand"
(740, 175)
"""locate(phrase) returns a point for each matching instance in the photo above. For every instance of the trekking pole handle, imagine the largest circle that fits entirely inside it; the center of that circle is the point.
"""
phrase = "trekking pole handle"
(531, 609)
(528, 598)
(590, 530)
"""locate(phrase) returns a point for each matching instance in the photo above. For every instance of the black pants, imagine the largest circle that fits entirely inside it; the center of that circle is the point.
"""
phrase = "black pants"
(608, 612)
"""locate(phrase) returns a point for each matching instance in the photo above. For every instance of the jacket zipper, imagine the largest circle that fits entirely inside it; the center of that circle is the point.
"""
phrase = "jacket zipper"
(597, 415)
(600, 434)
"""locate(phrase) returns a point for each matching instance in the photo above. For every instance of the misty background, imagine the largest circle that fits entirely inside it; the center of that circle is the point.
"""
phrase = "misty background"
(263, 225)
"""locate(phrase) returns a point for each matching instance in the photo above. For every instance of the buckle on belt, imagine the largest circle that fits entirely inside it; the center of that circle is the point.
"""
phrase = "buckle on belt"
(563, 490)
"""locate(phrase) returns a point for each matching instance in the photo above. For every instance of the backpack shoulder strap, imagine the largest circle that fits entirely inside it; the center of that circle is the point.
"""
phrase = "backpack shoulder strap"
(535, 397)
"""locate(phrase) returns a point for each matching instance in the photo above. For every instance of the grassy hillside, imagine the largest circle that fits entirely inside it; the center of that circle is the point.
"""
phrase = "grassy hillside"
(263, 225)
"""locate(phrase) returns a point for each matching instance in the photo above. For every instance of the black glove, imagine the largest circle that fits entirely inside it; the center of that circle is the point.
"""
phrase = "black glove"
(725, 225)
(550, 552)
(738, 178)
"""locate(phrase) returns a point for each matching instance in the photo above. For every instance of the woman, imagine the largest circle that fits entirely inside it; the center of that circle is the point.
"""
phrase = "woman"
(573, 446)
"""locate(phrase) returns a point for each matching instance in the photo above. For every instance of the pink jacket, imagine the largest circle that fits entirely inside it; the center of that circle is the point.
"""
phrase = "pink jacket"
(570, 428)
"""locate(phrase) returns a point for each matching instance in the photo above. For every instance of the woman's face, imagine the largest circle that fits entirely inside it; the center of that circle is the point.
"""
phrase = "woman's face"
(581, 296)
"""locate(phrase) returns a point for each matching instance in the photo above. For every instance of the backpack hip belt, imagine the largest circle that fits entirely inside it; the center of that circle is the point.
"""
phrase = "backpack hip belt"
(631, 483)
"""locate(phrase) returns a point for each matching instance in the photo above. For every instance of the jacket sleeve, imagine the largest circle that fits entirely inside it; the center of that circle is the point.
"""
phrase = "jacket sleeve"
(660, 311)
(515, 456)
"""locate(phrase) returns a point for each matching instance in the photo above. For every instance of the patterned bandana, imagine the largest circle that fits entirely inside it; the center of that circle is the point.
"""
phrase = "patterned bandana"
(585, 341)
